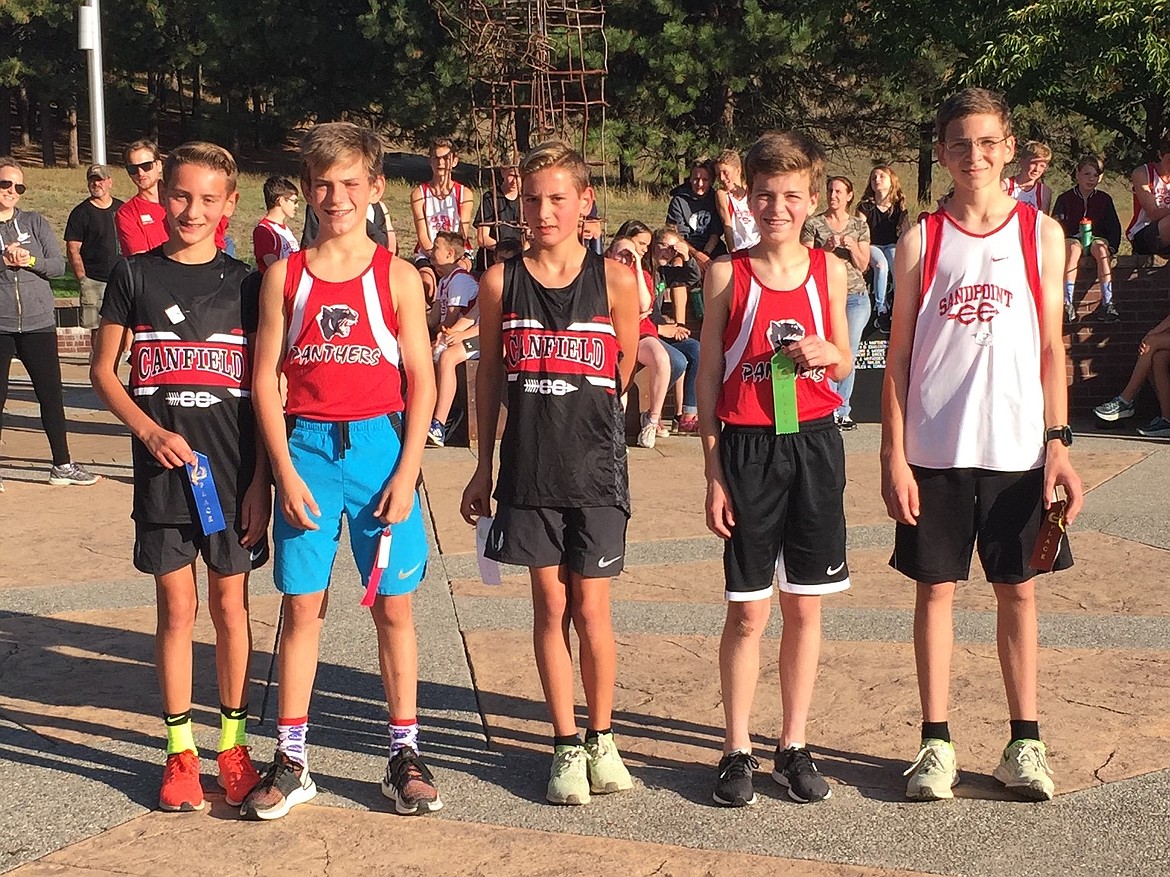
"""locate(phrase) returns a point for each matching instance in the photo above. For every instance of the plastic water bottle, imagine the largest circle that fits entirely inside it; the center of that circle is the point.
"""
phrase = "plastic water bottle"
(1086, 234)
(440, 346)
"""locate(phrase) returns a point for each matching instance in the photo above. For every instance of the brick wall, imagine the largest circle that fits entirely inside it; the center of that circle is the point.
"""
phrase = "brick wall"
(71, 338)
(1101, 355)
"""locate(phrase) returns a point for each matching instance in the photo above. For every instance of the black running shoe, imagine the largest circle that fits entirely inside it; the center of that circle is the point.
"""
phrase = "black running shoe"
(409, 784)
(734, 786)
(796, 772)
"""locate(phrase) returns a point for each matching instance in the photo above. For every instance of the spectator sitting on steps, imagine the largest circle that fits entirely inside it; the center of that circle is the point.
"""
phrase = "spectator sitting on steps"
(1153, 364)
(1085, 201)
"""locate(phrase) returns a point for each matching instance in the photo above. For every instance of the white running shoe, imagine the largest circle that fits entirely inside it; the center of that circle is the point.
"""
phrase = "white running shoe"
(934, 772)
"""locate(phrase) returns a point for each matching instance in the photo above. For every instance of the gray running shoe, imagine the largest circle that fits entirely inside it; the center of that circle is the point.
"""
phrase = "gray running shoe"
(1024, 770)
(1115, 409)
(71, 473)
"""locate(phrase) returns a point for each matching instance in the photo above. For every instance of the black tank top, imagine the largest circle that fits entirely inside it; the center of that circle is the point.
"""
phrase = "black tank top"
(564, 442)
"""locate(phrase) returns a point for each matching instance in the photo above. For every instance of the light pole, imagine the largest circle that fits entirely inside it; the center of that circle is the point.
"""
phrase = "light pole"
(89, 40)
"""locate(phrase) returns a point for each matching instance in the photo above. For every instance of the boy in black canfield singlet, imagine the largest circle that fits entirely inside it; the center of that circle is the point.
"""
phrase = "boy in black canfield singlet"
(556, 321)
(193, 312)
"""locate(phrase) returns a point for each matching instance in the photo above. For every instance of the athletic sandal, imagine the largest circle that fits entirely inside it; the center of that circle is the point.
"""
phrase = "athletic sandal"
(934, 772)
(237, 775)
(796, 771)
(568, 782)
(181, 790)
(1024, 770)
(409, 784)
(286, 784)
(607, 772)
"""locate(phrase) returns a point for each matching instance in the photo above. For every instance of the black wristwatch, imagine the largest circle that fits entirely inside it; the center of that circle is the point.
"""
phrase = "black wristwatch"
(1063, 433)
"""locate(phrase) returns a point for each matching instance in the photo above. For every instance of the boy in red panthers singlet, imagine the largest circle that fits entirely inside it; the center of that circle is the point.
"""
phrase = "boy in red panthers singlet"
(192, 312)
(776, 500)
(343, 321)
(974, 428)
(562, 323)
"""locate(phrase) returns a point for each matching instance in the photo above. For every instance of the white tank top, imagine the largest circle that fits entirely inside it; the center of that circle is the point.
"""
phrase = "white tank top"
(1161, 190)
(1025, 196)
(974, 398)
(442, 214)
(284, 237)
(744, 233)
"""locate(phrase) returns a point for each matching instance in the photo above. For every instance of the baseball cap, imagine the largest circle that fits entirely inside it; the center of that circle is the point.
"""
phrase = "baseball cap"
(98, 170)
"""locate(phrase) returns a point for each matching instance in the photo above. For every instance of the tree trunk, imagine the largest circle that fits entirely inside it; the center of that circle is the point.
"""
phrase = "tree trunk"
(152, 113)
(523, 130)
(197, 98)
(71, 118)
(5, 120)
(184, 129)
(23, 117)
(1155, 106)
(257, 118)
(925, 161)
(625, 172)
(48, 134)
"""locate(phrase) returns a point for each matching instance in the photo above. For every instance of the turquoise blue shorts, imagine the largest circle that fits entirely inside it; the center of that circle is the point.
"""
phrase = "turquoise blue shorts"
(346, 467)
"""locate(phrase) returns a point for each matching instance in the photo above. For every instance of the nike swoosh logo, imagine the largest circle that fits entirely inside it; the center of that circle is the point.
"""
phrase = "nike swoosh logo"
(408, 573)
(833, 570)
(499, 541)
(998, 258)
(603, 563)
(255, 553)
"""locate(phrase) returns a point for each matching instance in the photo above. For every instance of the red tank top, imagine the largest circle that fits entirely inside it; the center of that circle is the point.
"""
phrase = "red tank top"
(759, 321)
(342, 360)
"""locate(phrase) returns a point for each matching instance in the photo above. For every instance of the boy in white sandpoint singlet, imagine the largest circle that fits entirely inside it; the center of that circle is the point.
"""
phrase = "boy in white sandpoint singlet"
(974, 428)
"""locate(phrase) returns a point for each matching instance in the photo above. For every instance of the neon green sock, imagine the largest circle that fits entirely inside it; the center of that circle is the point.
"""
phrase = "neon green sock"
(180, 736)
(233, 729)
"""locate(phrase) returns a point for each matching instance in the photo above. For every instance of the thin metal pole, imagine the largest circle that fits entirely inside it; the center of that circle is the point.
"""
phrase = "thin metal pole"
(97, 97)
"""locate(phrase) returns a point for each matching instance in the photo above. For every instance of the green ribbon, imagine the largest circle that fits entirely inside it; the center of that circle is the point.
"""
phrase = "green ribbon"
(784, 394)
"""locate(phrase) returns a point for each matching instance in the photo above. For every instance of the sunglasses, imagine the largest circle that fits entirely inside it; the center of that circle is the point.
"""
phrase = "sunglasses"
(141, 168)
(20, 188)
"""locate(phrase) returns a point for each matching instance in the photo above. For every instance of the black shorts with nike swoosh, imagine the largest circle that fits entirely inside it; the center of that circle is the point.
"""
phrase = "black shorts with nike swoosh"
(788, 497)
(590, 541)
(163, 548)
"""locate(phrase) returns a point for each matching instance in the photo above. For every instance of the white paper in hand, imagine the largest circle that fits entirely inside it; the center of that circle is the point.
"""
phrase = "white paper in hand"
(489, 570)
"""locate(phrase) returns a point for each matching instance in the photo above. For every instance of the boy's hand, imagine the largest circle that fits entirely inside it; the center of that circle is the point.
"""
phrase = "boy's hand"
(255, 511)
(812, 351)
(1058, 469)
(900, 491)
(720, 514)
(169, 448)
(477, 497)
(294, 499)
(397, 499)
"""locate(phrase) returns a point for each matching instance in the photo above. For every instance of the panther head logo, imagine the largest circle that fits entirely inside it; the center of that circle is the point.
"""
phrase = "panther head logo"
(336, 320)
(782, 332)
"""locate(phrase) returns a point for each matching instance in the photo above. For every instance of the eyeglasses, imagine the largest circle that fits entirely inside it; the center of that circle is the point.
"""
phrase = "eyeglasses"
(20, 188)
(983, 145)
(292, 199)
(141, 168)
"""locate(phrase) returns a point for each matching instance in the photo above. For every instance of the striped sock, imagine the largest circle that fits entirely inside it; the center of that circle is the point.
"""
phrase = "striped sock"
(403, 734)
(1106, 291)
(180, 737)
(1069, 286)
(232, 726)
(290, 738)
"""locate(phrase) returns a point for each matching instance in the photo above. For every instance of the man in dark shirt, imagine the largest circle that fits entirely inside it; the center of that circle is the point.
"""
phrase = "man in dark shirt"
(91, 241)
(498, 218)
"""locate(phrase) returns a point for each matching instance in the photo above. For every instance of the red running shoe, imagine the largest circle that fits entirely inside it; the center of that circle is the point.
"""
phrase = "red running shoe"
(237, 775)
(181, 791)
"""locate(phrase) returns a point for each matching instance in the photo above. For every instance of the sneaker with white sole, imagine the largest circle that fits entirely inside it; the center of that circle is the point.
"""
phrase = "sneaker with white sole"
(286, 784)
(733, 786)
(607, 771)
(796, 771)
(71, 473)
(934, 772)
(648, 432)
(568, 782)
(1115, 409)
(1159, 427)
(437, 435)
(1024, 770)
(410, 784)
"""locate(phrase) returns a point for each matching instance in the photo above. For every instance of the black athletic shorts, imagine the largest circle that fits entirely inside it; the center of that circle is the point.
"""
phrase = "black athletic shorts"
(788, 497)
(589, 541)
(1147, 242)
(163, 548)
(961, 509)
